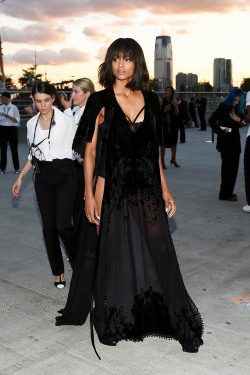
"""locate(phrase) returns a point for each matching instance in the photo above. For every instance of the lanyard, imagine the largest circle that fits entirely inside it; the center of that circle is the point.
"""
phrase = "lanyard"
(7, 110)
(51, 121)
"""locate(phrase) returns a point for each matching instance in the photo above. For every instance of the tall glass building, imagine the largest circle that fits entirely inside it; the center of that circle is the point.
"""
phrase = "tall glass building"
(222, 74)
(163, 61)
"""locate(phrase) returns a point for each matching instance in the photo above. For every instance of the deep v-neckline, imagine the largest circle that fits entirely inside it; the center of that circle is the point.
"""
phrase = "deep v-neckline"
(133, 125)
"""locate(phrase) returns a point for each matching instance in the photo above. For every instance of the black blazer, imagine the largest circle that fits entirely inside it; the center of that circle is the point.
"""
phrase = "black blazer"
(226, 141)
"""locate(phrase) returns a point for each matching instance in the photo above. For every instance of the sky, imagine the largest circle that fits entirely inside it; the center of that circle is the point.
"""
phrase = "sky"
(68, 38)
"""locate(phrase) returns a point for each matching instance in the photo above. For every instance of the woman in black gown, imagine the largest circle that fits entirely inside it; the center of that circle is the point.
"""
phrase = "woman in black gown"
(138, 289)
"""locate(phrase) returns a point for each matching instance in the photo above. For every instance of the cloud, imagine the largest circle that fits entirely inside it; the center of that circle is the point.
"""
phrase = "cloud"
(101, 53)
(39, 33)
(50, 10)
(182, 31)
(94, 33)
(49, 57)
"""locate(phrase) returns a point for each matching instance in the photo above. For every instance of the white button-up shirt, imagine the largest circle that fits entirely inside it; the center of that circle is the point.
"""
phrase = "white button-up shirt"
(10, 110)
(75, 113)
(61, 137)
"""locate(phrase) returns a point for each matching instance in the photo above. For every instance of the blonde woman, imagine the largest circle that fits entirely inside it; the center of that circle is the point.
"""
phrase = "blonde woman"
(81, 91)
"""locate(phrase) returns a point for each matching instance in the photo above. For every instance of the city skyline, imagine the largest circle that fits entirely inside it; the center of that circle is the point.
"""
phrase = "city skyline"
(71, 38)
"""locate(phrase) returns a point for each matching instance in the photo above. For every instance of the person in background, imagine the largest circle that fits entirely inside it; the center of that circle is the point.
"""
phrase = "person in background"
(183, 116)
(50, 135)
(192, 111)
(31, 110)
(202, 103)
(244, 122)
(225, 122)
(170, 112)
(9, 118)
(81, 91)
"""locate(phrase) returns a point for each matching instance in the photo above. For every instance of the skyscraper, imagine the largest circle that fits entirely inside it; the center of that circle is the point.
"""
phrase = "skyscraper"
(228, 76)
(222, 74)
(163, 61)
(192, 80)
(181, 83)
(185, 81)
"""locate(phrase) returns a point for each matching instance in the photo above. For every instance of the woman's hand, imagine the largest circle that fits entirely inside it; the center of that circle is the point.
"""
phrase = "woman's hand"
(91, 210)
(29, 110)
(66, 104)
(235, 117)
(170, 206)
(16, 187)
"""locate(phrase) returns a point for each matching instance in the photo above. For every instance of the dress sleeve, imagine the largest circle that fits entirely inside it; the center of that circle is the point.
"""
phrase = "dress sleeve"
(87, 122)
(215, 120)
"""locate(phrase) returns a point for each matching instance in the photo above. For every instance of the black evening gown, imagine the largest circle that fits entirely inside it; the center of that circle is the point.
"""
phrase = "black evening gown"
(138, 290)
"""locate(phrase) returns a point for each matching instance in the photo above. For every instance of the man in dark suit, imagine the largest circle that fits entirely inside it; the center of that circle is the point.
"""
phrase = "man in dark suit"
(183, 116)
(202, 102)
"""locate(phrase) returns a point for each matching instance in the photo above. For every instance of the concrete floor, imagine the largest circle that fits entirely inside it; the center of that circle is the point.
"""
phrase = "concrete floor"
(212, 244)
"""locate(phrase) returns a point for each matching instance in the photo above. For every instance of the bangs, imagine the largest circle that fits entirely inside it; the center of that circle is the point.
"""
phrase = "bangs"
(124, 54)
(121, 47)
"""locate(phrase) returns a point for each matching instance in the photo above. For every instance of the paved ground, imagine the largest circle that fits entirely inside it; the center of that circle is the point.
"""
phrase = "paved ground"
(212, 244)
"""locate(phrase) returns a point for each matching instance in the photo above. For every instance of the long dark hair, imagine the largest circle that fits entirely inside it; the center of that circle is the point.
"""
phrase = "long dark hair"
(240, 108)
(57, 101)
(42, 88)
(130, 48)
(172, 91)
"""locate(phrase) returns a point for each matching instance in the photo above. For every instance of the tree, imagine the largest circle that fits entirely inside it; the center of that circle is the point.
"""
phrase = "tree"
(9, 83)
(154, 85)
(245, 84)
(29, 77)
(202, 86)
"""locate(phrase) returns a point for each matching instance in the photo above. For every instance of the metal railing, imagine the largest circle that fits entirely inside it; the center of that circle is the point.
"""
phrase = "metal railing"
(22, 99)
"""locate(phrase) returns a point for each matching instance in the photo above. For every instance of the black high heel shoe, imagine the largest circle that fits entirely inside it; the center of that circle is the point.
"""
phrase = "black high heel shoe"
(60, 284)
(175, 164)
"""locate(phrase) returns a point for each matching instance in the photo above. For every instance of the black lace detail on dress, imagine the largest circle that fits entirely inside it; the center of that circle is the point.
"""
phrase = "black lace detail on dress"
(149, 316)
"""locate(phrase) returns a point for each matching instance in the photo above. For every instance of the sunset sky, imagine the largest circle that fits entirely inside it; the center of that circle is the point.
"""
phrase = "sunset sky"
(70, 37)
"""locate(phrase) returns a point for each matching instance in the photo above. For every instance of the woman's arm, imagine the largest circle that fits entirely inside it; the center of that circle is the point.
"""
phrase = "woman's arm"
(176, 109)
(91, 209)
(66, 103)
(170, 205)
(17, 184)
(215, 120)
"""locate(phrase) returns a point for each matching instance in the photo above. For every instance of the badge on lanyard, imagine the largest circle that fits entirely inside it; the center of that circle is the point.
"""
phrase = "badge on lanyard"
(49, 157)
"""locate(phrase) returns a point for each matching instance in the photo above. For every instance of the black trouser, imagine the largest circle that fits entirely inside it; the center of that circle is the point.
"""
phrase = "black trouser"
(247, 169)
(229, 171)
(182, 132)
(194, 118)
(202, 119)
(55, 187)
(9, 134)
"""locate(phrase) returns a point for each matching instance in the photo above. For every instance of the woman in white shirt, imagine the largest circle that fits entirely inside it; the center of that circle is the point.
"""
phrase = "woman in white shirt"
(81, 91)
(50, 134)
